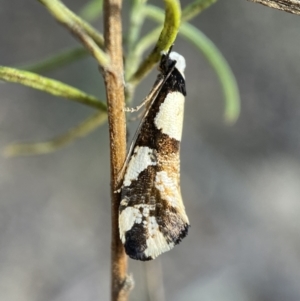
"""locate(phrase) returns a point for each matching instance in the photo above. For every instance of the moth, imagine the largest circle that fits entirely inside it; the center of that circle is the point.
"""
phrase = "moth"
(152, 217)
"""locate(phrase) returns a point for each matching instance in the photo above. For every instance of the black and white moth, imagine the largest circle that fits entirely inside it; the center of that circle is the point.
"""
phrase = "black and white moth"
(152, 217)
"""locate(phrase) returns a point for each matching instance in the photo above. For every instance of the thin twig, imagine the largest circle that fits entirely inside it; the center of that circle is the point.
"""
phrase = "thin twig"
(290, 6)
(90, 30)
(61, 13)
(114, 83)
(88, 36)
(90, 45)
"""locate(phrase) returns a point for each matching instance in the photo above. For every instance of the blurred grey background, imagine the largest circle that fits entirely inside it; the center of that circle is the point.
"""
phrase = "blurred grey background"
(240, 183)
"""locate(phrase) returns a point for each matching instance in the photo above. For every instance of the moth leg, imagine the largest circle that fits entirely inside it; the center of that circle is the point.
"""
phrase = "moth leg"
(149, 97)
(136, 117)
(137, 108)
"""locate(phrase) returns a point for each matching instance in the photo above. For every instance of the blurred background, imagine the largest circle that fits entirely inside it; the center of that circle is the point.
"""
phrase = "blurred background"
(240, 183)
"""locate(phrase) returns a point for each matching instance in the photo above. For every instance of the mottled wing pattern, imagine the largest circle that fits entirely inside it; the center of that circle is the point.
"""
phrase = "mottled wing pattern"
(152, 216)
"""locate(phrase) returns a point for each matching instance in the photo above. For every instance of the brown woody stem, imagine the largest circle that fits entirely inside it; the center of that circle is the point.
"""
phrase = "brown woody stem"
(114, 82)
(290, 6)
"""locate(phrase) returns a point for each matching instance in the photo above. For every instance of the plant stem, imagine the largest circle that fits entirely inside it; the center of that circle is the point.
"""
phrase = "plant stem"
(290, 6)
(65, 16)
(80, 29)
(114, 83)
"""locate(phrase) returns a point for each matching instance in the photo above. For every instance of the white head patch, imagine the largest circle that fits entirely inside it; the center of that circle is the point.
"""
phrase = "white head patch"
(180, 61)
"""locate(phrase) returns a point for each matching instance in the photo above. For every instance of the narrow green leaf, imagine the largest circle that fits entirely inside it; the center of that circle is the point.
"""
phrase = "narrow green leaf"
(155, 13)
(57, 60)
(137, 17)
(87, 35)
(195, 8)
(221, 67)
(92, 10)
(81, 130)
(166, 39)
(214, 57)
(64, 15)
(50, 86)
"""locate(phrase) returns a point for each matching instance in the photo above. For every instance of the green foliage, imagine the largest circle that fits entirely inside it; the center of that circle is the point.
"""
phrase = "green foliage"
(171, 21)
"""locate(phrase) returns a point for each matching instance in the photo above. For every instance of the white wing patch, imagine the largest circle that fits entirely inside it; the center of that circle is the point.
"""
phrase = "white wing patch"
(142, 157)
(128, 217)
(135, 215)
(169, 119)
(168, 188)
(157, 244)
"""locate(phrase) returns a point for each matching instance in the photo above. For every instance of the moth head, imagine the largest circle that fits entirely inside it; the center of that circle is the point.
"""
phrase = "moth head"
(180, 61)
(172, 60)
